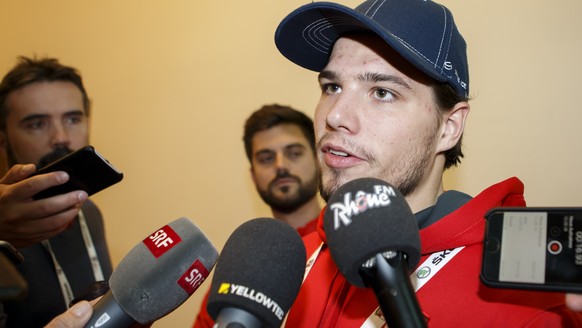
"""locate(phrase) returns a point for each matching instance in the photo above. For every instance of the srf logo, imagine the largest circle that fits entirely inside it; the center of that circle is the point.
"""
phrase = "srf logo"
(193, 277)
(162, 241)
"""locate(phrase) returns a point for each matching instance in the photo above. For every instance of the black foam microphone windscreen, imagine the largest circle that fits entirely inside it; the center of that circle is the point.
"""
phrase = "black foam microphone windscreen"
(156, 276)
(365, 217)
(260, 271)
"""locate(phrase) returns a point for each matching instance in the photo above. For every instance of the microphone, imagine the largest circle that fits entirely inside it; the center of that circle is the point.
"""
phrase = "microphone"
(373, 238)
(156, 276)
(258, 275)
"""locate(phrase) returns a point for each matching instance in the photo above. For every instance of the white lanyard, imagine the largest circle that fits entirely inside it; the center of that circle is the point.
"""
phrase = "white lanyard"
(91, 251)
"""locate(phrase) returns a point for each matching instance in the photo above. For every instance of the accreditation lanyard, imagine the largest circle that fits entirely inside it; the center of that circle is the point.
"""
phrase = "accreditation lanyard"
(423, 273)
(91, 251)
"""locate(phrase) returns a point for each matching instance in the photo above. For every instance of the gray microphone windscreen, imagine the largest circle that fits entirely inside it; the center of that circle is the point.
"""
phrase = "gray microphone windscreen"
(365, 217)
(162, 271)
(260, 271)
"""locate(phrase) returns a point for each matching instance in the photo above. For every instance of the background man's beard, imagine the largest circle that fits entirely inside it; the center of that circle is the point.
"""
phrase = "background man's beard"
(288, 205)
(55, 154)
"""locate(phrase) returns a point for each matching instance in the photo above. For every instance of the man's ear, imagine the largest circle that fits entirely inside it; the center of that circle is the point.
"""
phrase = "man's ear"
(453, 126)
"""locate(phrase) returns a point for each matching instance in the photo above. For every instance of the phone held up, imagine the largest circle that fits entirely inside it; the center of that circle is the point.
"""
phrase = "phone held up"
(88, 170)
(537, 248)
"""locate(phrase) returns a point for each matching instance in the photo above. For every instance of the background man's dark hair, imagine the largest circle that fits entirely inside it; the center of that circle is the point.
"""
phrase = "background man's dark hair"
(272, 115)
(32, 70)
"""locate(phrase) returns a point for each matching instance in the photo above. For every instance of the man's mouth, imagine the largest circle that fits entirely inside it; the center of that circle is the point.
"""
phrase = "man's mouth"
(284, 180)
(338, 158)
(338, 153)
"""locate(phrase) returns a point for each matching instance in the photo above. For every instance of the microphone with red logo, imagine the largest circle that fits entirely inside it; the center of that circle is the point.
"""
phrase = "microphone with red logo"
(156, 276)
(374, 240)
(258, 275)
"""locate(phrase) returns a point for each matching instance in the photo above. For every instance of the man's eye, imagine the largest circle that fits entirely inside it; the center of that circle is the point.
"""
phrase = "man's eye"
(294, 154)
(76, 119)
(35, 125)
(383, 94)
(331, 88)
(265, 159)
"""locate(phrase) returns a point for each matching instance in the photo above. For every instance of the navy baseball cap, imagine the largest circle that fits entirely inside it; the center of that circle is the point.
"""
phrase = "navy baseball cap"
(421, 31)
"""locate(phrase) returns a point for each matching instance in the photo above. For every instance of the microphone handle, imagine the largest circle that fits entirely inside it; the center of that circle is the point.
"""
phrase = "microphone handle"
(231, 317)
(389, 278)
(108, 314)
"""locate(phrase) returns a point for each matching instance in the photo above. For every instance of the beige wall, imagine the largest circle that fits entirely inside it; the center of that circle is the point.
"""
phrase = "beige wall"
(173, 81)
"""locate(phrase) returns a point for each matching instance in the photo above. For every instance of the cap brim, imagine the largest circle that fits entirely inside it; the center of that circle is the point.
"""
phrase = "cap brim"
(307, 35)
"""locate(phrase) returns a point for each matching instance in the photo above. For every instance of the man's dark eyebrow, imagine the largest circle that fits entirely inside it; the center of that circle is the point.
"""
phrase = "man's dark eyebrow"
(42, 116)
(263, 151)
(327, 75)
(378, 77)
(295, 145)
(289, 146)
(75, 111)
(33, 117)
(368, 77)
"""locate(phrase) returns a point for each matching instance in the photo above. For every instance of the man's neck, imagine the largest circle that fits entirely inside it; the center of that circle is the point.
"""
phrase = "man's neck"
(302, 215)
(427, 193)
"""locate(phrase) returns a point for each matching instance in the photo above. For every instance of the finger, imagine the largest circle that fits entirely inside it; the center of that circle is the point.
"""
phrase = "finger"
(55, 205)
(75, 317)
(17, 172)
(25, 189)
(16, 211)
(574, 302)
(30, 230)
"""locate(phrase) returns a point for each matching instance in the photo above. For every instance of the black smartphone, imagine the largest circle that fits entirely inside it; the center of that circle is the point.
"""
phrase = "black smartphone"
(88, 170)
(12, 284)
(537, 248)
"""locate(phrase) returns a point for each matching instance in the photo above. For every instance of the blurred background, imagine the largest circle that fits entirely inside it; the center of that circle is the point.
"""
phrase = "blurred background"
(171, 83)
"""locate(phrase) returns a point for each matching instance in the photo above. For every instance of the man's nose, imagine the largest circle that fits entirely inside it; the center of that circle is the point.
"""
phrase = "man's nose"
(59, 136)
(280, 161)
(340, 114)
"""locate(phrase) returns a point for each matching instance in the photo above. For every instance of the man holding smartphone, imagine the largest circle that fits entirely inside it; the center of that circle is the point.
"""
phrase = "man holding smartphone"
(44, 115)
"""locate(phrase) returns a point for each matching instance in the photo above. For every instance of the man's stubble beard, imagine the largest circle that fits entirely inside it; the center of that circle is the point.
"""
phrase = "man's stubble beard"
(405, 175)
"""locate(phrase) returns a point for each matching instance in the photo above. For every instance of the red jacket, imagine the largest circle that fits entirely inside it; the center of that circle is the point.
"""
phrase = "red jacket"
(454, 297)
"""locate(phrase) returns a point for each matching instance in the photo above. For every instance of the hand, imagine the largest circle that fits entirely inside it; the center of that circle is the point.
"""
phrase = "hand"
(574, 302)
(25, 221)
(75, 317)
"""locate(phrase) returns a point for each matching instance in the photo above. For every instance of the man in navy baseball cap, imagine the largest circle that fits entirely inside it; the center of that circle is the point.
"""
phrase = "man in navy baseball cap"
(394, 82)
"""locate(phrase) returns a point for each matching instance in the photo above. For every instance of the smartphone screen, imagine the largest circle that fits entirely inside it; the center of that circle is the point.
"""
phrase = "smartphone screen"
(534, 248)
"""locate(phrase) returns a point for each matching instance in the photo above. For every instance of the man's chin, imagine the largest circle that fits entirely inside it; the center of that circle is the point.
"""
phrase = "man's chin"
(332, 180)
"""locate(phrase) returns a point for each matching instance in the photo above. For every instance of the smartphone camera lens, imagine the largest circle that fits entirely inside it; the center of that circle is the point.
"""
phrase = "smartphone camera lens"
(555, 231)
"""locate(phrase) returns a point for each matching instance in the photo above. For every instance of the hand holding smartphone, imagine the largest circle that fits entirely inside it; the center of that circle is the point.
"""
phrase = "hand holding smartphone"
(537, 248)
(87, 169)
